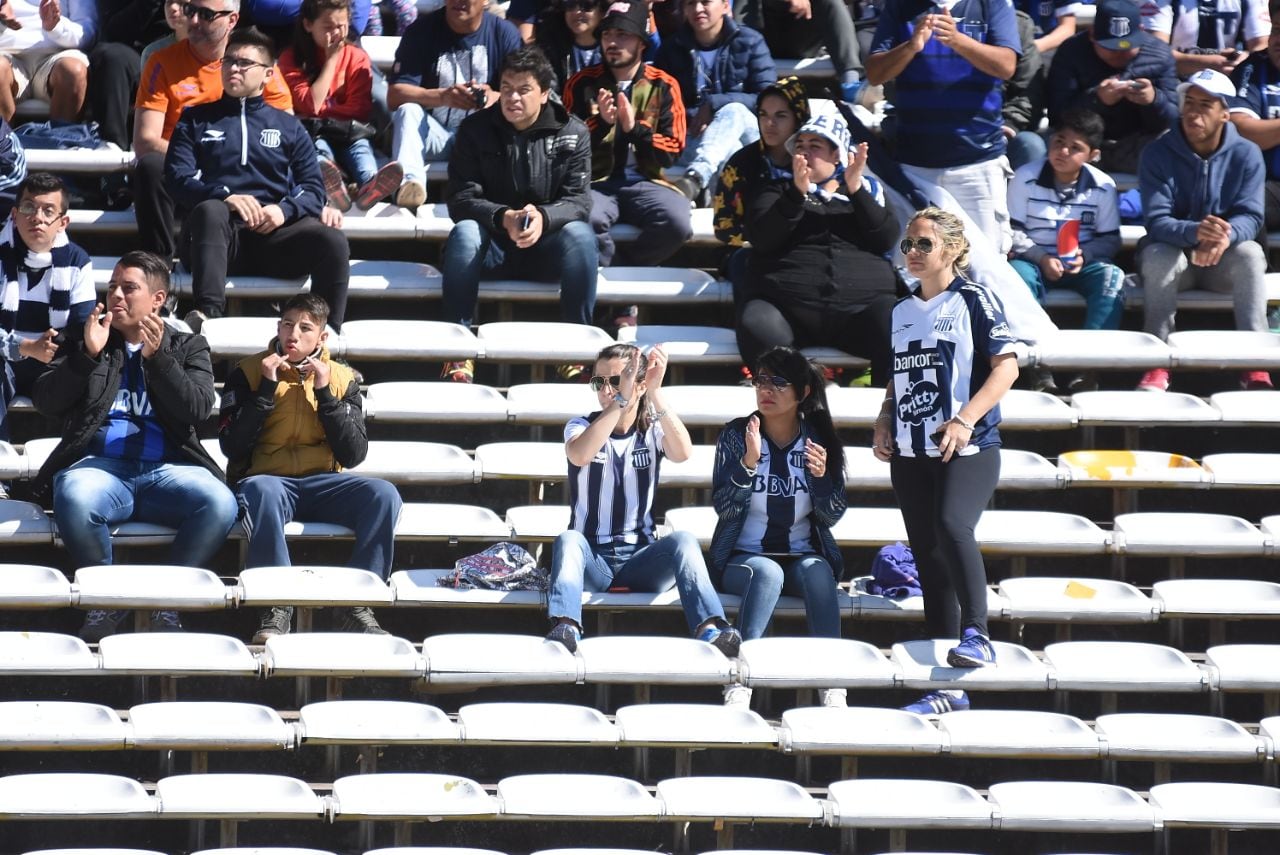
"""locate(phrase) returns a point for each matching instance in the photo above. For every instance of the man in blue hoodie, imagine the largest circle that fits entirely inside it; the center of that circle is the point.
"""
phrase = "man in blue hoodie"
(1201, 189)
(247, 174)
(721, 66)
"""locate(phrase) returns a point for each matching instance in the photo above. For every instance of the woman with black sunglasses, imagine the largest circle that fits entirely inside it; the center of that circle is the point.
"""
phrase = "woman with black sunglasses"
(953, 361)
(614, 456)
(778, 488)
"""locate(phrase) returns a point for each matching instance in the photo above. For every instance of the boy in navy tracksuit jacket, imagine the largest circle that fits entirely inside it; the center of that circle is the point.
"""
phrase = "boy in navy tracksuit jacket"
(247, 174)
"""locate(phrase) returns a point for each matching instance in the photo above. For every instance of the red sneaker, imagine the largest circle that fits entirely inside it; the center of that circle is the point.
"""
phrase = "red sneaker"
(1155, 380)
(335, 186)
(1255, 380)
(384, 182)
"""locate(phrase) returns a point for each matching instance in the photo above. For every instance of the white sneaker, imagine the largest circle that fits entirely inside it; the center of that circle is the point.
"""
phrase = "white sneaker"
(737, 696)
(834, 697)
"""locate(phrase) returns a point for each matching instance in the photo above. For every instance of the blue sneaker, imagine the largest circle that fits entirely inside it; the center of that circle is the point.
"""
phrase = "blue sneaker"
(727, 640)
(937, 703)
(973, 651)
(567, 634)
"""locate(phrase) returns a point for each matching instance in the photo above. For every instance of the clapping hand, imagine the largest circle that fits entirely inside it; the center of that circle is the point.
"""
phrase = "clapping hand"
(856, 167)
(751, 457)
(152, 327)
(96, 329)
(42, 349)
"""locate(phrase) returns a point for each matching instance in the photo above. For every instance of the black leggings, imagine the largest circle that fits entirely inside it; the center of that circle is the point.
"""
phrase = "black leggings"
(941, 504)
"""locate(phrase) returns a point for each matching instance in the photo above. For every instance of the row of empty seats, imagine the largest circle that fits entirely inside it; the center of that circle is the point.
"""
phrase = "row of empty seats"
(202, 726)
(1062, 806)
(476, 660)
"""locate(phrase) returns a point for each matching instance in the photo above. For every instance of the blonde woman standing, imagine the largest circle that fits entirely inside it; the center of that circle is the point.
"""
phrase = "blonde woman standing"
(953, 361)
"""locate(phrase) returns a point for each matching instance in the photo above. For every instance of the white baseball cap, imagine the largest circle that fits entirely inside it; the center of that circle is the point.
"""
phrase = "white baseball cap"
(1213, 82)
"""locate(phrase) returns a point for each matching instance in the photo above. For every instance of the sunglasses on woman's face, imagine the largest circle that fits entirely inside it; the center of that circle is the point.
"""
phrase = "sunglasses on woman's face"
(770, 381)
(924, 245)
(598, 382)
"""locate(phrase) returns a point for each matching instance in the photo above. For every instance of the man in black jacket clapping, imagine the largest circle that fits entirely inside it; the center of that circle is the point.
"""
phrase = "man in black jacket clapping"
(247, 174)
(519, 181)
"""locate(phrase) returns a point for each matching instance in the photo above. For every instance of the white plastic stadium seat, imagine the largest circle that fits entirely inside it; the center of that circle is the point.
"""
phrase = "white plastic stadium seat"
(1022, 409)
(1246, 667)
(693, 725)
(1076, 600)
(858, 730)
(528, 722)
(174, 654)
(340, 654)
(575, 796)
(438, 403)
(709, 406)
(1142, 409)
(526, 341)
(1018, 733)
(868, 527)
(1186, 534)
(410, 796)
(1234, 350)
(1217, 805)
(652, 660)
(687, 344)
(538, 522)
(1070, 806)
(1255, 407)
(1230, 598)
(424, 588)
(1039, 533)
(32, 586)
(78, 795)
(1175, 737)
(236, 338)
(451, 523)
(59, 725)
(820, 663)
(924, 666)
(738, 799)
(1123, 666)
(1242, 470)
(528, 461)
(374, 723)
(487, 660)
(1106, 350)
(207, 726)
(225, 796)
(902, 803)
(413, 463)
(12, 464)
(150, 586)
(305, 585)
(24, 523)
(417, 341)
(45, 653)
(1130, 469)
(552, 403)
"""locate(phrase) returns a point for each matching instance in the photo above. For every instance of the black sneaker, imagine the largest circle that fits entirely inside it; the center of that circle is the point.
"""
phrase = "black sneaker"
(358, 619)
(273, 621)
(690, 186)
(195, 319)
(163, 620)
(567, 634)
(99, 623)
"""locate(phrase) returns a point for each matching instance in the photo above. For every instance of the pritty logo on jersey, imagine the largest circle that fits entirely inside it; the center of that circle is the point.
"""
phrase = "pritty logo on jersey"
(774, 485)
(921, 401)
(270, 138)
(641, 458)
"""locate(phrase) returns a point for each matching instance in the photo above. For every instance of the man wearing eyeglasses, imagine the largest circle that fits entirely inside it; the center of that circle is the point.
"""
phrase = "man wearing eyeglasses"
(47, 285)
(246, 175)
(175, 78)
(42, 44)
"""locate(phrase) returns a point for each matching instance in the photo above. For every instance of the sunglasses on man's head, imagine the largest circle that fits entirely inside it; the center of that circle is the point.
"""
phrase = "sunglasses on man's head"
(598, 382)
(206, 15)
(770, 381)
(925, 245)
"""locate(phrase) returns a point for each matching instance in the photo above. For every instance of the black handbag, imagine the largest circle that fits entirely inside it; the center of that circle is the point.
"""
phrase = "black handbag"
(339, 132)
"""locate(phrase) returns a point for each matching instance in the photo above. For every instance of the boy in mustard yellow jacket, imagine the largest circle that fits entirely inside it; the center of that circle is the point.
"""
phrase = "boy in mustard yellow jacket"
(291, 422)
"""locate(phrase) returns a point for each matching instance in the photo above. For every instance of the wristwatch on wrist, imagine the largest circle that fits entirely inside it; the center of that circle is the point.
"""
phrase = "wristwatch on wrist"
(620, 401)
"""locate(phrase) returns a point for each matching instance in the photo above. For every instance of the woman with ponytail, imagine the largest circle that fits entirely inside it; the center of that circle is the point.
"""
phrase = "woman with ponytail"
(778, 488)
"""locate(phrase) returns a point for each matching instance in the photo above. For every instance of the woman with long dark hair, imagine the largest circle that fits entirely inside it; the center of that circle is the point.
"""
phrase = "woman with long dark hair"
(778, 488)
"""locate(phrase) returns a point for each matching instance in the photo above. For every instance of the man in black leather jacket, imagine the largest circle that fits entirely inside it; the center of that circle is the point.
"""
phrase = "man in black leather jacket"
(519, 180)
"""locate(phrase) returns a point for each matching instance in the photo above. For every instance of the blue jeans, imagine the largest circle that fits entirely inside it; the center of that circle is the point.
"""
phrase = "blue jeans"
(733, 126)
(356, 159)
(675, 560)
(760, 580)
(473, 252)
(1099, 282)
(417, 138)
(370, 506)
(97, 493)
(1025, 147)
